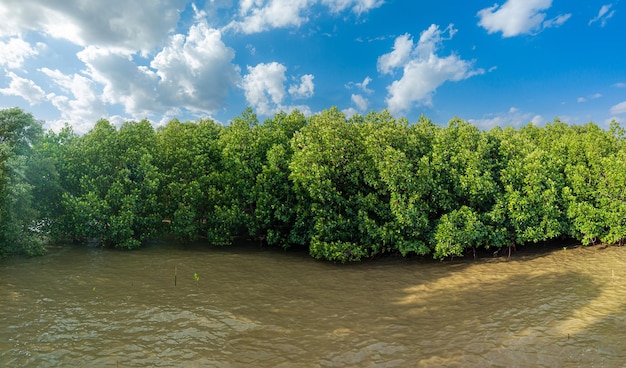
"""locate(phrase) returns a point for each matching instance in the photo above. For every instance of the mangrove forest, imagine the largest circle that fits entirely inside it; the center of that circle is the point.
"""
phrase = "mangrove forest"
(347, 189)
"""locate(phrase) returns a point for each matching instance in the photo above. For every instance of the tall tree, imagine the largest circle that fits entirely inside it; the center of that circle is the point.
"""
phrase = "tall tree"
(19, 227)
(587, 147)
(337, 179)
(190, 160)
(465, 163)
(402, 180)
(275, 206)
(113, 185)
(530, 207)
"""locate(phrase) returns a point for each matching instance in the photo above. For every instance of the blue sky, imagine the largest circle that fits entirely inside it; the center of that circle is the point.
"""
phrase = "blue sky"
(507, 62)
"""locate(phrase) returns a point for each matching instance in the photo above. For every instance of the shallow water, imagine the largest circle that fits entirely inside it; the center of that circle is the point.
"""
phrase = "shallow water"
(94, 307)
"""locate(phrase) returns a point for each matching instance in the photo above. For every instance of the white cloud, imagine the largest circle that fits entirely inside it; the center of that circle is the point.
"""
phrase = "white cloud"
(84, 108)
(197, 13)
(263, 83)
(305, 89)
(402, 48)
(591, 97)
(603, 15)
(246, 5)
(123, 81)
(251, 49)
(128, 25)
(513, 117)
(423, 70)
(361, 86)
(619, 85)
(357, 6)
(361, 102)
(557, 21)
(619, 109)
(517, 17)
(260, 15)
(192, 71)
(264, 88)
(349, 112)
(15, 51)
(25, 88)
(196, 71)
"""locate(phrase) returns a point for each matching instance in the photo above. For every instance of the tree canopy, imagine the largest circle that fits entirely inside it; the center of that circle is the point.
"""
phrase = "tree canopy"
(345, 188)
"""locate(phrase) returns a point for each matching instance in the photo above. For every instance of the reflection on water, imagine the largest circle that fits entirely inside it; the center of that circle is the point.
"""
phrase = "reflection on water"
(95, 307)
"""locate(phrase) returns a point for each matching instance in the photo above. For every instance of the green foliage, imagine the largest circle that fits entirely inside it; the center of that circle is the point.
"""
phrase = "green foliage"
(348, 189)
(464, 168)
(611, 194)
(275, 218)
(19, 130)
(458, 230)
(592, 194)
(190, 162)
(114, 185)
(328, 169)
(364, 185)
(529, 207)
(243, 151)
(19, 228)
(402, 179)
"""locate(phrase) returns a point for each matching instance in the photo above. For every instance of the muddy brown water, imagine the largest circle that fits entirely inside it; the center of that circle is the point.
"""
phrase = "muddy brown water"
(91, 307)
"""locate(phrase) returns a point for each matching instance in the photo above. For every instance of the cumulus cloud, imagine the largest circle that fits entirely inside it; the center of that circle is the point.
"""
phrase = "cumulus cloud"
(196, 71)
(263, 83)
(305, 89)
(264, 88)
(423, 70)
(84, 107)
(25, 88)
(361, 102)
(604, 14)
(15, 51)
(123, 81)
(192, 71)
(619, 109)
(131, 57)
(513, 117)
(349, 112)
(128, 25)
(259, 15)
(517, 17)
(402, 48)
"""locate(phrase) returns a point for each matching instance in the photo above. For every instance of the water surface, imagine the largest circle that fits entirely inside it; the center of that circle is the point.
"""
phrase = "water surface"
(91, 307)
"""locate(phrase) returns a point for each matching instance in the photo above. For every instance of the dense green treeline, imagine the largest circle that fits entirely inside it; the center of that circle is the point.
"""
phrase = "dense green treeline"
(347, 189)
